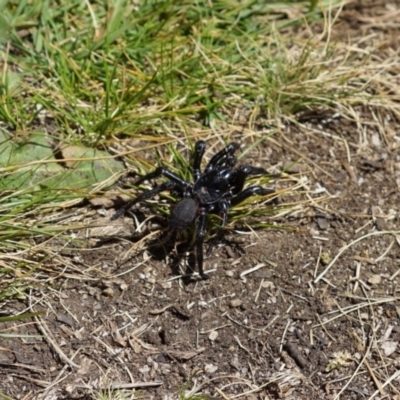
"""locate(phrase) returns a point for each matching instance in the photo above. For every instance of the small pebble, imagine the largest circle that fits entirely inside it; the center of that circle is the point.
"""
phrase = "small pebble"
(229, 252)
(375, 280)
(108, 292)
(235, 303)
(263, 273)
(161, 358)
(268, 285)
(66, 319)
(375, 140)
(101, 202)
(166, 285)
(213, 335)
(396, 329)
(229, 273)
(144, 370)
(165, 369)
(364, 316)
(235, 361)
(381, 224)
(151, 280)
(322, 222)
(389, 347)
(210, 368)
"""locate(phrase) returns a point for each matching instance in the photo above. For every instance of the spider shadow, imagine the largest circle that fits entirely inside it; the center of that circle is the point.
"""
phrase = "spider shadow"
(170, 245)
(167, 245)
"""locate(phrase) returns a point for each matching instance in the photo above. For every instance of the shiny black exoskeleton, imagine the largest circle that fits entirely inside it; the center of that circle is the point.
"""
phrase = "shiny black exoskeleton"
(214, 190)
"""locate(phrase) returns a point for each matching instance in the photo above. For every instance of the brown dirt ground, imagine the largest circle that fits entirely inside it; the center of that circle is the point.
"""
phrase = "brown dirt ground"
(271, 334)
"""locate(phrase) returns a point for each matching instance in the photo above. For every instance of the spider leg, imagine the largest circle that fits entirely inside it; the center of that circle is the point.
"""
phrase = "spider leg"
(222, 155)
(144, 196)
(176, 182)
(239, 176)
(199, 149)
(201, 232)
(161, 171)
(250, 191)
(229, 161)
(223, 213)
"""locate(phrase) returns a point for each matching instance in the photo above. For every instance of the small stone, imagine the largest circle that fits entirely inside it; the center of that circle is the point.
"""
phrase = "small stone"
(213, 335)
(268, 285)
(78, 335)
(375, 280)
(165, 369)
(66, 319)
(277, 366)
(235, 303)
(229, 252)
(151, 280)
(322, 222)
(235, 361)
(264, 273)
(161, 358)
(166, 285)
(210, 368)
(101, 202)
(396, 329)
(144, 370)
(229, 273)
(108, 292)
(381, 224)
(375, 140)
(389, 347)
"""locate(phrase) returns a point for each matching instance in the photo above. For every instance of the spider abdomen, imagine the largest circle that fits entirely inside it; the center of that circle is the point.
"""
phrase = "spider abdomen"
(183, 214)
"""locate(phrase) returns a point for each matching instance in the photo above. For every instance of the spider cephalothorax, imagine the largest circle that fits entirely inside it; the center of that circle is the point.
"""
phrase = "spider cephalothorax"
(215, 189)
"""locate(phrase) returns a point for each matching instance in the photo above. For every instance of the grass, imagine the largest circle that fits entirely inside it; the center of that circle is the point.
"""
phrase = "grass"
(130, 79)
(83, 74)
(123, 80)
(95, 73)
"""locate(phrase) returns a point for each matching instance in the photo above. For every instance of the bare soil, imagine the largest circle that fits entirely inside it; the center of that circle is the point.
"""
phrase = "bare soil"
(284, 330)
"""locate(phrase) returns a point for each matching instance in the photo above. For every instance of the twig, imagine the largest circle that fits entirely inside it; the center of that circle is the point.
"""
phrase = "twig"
(392, 378)
(249, 271)
(47, 334)
(284, 335)
(134, 385)
(355, 372)
(343, 249)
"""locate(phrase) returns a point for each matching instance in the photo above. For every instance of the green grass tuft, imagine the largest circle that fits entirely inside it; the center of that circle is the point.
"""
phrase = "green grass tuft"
(88, 88)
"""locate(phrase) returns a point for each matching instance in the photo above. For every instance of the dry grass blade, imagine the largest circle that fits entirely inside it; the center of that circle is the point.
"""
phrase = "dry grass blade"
(344, 248)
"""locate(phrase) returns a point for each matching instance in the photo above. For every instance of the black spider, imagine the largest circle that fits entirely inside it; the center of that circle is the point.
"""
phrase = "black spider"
(214, 190)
